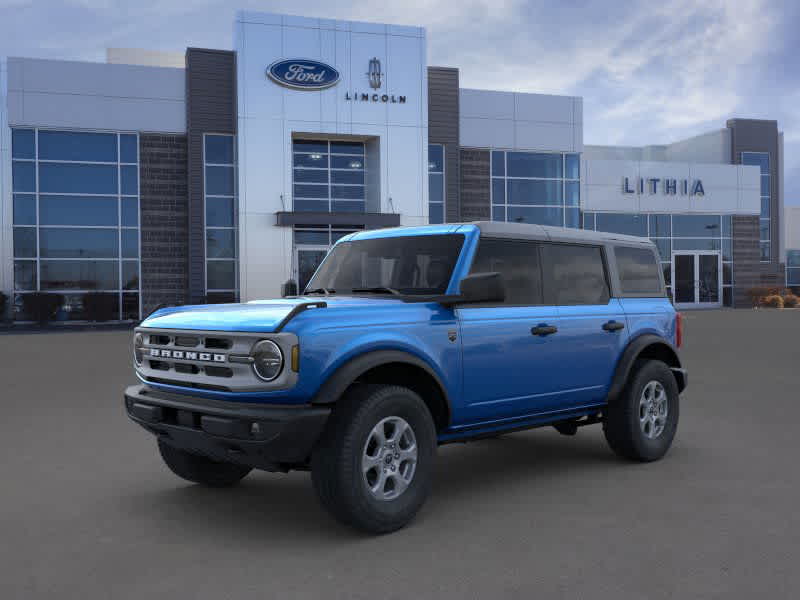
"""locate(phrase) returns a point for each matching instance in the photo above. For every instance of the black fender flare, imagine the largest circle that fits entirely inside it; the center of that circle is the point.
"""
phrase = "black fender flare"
(634, 350)
(330, 391)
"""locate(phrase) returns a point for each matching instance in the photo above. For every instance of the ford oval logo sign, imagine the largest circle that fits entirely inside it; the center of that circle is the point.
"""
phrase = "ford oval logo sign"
(303, 74)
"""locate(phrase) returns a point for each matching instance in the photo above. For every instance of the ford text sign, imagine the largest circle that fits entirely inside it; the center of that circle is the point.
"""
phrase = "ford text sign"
(303, 74)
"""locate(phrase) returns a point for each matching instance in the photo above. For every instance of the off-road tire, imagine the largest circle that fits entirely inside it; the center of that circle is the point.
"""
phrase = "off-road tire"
(337, 458)
(199, 469)
(621, 423)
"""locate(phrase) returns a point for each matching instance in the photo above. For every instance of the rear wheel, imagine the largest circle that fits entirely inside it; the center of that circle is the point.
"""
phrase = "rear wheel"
(199, 469)
(641, 422)
(372, 467)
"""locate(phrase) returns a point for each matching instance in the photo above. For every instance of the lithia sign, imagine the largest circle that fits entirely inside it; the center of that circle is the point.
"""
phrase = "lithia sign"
(667, 186)
(306, 74)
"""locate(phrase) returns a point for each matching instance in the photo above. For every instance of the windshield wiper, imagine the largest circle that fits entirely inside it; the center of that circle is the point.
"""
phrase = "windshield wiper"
(321, 290)
(376, 290)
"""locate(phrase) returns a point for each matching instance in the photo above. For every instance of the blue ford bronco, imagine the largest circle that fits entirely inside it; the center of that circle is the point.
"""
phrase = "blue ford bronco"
(408, 338)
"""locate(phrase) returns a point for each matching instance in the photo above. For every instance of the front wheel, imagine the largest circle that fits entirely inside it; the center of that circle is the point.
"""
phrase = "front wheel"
(373, 465)
(641, 422)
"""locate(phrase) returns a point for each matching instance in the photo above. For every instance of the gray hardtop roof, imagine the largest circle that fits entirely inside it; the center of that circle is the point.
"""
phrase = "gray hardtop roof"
(528, 231)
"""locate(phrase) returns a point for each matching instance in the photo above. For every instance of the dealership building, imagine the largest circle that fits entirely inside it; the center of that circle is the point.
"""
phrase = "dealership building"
(217, 175)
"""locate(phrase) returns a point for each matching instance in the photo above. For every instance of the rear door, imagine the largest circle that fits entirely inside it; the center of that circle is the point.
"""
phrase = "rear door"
(508, 370)
(592, 330)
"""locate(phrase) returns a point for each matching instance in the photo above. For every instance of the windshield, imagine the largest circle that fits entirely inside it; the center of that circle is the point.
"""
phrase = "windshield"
(407, 265)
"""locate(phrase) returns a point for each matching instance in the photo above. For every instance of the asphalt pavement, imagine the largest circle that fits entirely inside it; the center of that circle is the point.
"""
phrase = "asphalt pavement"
(87, 510)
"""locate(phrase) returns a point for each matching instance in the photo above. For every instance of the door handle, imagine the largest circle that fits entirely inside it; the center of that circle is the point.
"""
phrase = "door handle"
(543, 330)
(613, 326)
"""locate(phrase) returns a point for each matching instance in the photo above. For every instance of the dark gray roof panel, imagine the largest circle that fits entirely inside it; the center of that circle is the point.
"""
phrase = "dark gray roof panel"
(555, 234)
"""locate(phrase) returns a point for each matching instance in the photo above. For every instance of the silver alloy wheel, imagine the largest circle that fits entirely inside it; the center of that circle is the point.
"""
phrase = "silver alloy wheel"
(653, 409)
(389, 459)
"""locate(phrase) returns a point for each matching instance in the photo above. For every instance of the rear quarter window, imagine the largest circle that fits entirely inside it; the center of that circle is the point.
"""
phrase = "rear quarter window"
(638, 271)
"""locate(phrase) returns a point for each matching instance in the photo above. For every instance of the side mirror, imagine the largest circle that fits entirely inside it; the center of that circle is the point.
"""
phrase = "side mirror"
(483, 287)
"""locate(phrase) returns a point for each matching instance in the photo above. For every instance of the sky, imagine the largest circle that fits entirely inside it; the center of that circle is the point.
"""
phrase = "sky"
(649, 72)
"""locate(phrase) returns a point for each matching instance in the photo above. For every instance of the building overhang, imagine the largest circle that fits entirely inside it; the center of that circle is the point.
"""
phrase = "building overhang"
(366, 220)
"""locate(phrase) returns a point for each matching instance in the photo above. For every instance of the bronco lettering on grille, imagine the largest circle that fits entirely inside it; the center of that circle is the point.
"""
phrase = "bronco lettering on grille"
(203, 356)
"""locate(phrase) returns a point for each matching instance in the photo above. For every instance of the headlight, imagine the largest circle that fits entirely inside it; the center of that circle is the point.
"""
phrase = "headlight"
(267, 360)
(138, 349)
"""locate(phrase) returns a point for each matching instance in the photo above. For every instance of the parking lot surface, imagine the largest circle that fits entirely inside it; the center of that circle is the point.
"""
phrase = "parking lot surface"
(87, 510)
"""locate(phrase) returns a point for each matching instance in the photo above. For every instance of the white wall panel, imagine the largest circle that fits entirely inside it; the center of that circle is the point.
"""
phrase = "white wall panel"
(539, 135)
(486, 133)
(486, 104)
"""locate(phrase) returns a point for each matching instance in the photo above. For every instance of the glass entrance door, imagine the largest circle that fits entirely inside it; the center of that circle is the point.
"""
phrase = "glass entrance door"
(697, 279)
(308, 259)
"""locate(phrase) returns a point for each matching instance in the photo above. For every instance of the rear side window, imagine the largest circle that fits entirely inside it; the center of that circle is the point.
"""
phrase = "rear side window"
(638, 271)
(518, 263)
(574, 275)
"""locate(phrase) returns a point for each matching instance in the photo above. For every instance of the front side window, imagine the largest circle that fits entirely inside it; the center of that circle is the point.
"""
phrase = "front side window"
(574, 275)
(405, 265)
(518, 263)
(638, 271)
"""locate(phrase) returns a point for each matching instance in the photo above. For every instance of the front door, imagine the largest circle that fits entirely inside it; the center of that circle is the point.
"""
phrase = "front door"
(697, 279)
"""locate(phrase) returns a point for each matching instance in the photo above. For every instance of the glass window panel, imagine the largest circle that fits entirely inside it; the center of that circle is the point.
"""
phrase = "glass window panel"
(220, 243)
(435, 158)
(664, 248)
(315, 238)
(80, 275)
(572, 189)
(220, 297)
(354, 177)
(311, 175)
(573, 275)
(318, 161)
(727, 226)
(221, 274)
(572, 217)
(536, 214)
(695, 244)
(727, 273)
(436, 213)
(77, 210)
(765, 185)
(23, 176)
(310, 146)
(526, 191)
(130, 274)
(128, 148)
(23, 143)
(436, 187)
(77, 145)
(498, 191)
(25, 275)
(793, 277)
(727, 249)
(628, 224)
(311, 205)
(59, 242)
(130, 307)
(24, 209)
(348, 206)
(498, 163)
(660, 226)
(765, 207)
(77, 179)
(498, 213)
(588, 221)
(666, 268)
(766, 251)
(310, 191)
(335, 235)
(129, 180)
(344, 162)
(763, 229)
(532, 164)
(518, 263)
(347, 148)
(130, 212)
(219, 149)
(793, 258)
(348, 192)
(696, 226)
(219, 212)
(130, 243)
(219, 181)
(727, 296)
(573, 166)
(759, 159)
(25, 242)
(638, 270)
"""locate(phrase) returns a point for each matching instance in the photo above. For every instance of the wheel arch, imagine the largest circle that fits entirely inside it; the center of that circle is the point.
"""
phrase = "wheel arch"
(390, 367)
(646, 346)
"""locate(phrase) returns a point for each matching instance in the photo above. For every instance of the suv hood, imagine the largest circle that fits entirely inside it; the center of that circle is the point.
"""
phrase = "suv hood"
(260, 316)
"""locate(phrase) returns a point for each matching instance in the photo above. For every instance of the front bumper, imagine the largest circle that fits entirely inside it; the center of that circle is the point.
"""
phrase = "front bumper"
(269, 437)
